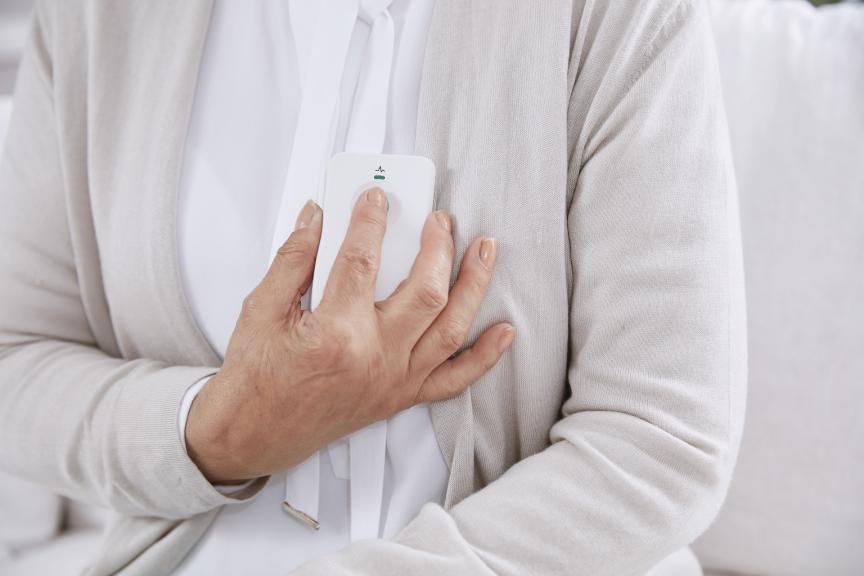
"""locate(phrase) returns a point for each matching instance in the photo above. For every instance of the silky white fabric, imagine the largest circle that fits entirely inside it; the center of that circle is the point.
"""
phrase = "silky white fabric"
(241, 184)
(323, 57)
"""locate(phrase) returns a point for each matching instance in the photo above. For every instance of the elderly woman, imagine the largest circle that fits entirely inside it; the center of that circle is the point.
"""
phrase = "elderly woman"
(581, 273)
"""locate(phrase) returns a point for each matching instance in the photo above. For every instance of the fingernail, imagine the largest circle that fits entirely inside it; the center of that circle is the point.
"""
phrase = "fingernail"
(506, 338)
(307, 215)
(376, 197)
(443, 219)
(488, 252)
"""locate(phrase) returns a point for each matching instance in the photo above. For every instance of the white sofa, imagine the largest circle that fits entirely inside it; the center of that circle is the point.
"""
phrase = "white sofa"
(794, 88)
(793, 80)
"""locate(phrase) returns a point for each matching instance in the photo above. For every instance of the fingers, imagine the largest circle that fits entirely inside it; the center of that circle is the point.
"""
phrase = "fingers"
(355, 270)
(290, 273)
(456, 374)
(448, 331)
(421, 297)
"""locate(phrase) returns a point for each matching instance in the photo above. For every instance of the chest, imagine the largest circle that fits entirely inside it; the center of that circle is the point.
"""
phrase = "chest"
(492, 115)
(274, 99)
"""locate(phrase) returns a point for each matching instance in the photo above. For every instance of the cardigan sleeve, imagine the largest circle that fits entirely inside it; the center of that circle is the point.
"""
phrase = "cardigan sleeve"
(73, 417)
(640, 461)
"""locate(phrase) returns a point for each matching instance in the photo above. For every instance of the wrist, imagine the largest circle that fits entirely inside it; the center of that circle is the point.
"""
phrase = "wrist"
(211, 441)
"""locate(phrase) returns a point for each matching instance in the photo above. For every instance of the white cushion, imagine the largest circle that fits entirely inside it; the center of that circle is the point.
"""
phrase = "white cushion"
(794, 87)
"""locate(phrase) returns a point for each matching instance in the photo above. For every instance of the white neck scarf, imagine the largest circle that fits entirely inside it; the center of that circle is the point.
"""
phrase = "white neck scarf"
(322, 32)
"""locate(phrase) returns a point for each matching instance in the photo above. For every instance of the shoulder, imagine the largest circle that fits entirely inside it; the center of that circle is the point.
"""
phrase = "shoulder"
(89, 15)
(93, 29)
(628, 32)
(614, 42)
(626, 57)
(92, 47)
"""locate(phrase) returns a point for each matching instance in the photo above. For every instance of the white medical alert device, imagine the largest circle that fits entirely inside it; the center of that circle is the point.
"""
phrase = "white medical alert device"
(408, 182)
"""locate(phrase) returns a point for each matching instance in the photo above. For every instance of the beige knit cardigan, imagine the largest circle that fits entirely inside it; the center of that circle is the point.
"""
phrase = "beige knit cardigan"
(587, 136)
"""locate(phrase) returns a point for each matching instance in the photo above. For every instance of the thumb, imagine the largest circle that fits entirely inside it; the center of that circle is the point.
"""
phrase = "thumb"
(290, 273)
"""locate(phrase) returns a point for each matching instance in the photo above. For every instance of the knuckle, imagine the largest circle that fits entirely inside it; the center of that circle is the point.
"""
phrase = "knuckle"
(351, 353)
(340, 332)
(337, 345)
(446, 386)
(478, 283)
(488, 362)
(294, 249)
(362, 261)
(252, 303)
(452, 334)
(432, 296)
(372, 218)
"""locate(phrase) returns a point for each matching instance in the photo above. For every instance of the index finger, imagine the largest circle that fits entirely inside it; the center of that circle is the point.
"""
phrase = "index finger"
(355, 271)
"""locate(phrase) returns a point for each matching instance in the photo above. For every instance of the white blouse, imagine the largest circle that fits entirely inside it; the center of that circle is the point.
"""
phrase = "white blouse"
(284, 84)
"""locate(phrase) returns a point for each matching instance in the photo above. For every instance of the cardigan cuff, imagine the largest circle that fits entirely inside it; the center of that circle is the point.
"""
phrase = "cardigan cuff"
(154, 454)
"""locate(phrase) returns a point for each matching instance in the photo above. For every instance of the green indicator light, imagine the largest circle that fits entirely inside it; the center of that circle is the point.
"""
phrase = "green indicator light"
(379, 177)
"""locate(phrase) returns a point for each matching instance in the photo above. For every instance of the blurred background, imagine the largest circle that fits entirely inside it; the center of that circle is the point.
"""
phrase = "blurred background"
(793, 82)
(14, 15)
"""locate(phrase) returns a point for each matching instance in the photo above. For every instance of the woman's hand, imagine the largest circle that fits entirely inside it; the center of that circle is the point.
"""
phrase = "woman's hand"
(295, 380)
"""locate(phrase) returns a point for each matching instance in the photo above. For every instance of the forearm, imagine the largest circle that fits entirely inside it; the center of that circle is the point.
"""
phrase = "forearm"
(100, 429)
(74, 416)
(617, 502)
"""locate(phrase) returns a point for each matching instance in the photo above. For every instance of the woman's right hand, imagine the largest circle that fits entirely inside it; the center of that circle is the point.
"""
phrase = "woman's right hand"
(295, 380)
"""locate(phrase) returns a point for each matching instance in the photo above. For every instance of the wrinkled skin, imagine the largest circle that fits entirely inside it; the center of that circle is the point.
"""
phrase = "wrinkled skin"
(295, 380)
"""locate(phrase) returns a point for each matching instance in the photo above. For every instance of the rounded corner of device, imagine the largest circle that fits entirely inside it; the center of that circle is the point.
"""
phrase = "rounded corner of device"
(429, 162)
(339, 156)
